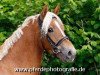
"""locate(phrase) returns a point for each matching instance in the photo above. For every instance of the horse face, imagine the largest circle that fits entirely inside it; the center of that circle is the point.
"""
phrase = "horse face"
(56, 41)
(61, 45)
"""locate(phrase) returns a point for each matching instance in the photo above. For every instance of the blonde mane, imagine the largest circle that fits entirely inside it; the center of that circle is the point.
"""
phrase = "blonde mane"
(14, 37)
(18, 33)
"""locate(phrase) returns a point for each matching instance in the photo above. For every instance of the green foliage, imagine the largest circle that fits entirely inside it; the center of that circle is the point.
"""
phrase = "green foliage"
(82, 24)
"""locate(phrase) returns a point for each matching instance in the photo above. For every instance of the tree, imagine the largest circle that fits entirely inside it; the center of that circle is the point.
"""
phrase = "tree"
(81, 19)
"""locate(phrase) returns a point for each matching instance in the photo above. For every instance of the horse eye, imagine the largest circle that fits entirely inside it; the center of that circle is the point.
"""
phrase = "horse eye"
(50, 30)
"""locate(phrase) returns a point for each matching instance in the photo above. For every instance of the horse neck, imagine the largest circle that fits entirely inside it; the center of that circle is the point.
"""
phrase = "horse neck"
(27, 51)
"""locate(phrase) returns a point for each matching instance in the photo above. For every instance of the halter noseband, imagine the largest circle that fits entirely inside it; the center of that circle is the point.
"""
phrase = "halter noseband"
(55, 45)
(52, 43)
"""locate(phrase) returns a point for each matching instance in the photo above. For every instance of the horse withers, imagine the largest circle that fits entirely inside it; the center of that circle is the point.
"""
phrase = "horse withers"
(24, 48)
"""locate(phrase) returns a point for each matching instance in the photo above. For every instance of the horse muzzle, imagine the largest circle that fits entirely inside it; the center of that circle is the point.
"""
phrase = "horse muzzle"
(66, 55)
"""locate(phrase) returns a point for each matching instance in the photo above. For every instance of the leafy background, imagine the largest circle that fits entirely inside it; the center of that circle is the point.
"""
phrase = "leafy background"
(81, 19)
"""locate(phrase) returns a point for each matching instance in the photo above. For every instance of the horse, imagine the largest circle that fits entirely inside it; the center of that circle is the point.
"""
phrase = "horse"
(25, 47)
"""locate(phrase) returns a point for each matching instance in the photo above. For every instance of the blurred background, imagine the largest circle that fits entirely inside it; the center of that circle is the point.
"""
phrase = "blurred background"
(81, 19)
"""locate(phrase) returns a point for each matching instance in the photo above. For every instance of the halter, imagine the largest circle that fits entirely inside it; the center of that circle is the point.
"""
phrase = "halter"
(54, 45)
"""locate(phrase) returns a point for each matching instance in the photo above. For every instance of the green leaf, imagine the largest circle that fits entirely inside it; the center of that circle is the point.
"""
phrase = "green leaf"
(90, 60)
(89, 47)
(77, 11)
(97, 25)
(2, 37)
(96, 35)
(93, 43)
(92, 22)
(66, 10)
(84, 0)
(97, 58)
(84, 47)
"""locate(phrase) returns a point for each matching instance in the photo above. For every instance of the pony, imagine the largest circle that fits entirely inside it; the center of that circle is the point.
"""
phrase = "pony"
(25, 47)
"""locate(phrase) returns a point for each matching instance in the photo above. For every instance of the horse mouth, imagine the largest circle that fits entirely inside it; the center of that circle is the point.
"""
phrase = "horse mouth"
(65, 58)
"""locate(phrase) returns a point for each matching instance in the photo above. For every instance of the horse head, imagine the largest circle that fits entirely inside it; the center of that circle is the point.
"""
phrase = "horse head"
(54, 39)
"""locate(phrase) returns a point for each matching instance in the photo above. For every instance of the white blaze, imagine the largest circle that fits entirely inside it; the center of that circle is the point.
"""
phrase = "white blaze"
(57, 24)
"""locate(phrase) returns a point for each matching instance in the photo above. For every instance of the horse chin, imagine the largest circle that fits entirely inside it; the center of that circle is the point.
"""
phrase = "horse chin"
(64, 58)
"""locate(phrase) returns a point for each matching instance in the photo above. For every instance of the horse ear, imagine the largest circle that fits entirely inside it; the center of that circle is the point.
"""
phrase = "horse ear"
(44, 12)
(56, 10)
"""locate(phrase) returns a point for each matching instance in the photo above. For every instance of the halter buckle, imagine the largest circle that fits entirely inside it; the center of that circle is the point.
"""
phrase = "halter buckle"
(55, 51)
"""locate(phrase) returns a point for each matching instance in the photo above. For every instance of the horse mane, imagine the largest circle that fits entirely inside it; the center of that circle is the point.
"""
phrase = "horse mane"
(14, 37)
(18, 33)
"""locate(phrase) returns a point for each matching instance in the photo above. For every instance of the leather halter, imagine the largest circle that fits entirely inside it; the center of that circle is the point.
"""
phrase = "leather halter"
(55, 45)
(52, 43)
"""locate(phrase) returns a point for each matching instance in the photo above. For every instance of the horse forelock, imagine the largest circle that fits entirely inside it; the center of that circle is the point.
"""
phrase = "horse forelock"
(46, 22)
(15, 37)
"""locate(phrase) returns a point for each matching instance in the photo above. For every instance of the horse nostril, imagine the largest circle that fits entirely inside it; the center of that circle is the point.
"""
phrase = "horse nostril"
(69, 53)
